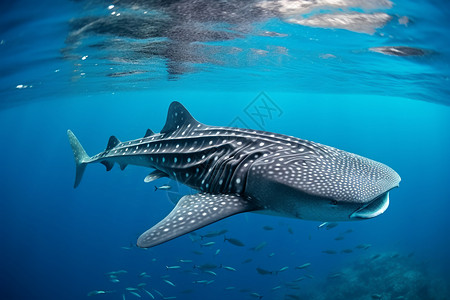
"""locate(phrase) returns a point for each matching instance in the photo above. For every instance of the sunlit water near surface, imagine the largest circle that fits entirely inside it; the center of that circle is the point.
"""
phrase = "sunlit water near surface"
(368, 77)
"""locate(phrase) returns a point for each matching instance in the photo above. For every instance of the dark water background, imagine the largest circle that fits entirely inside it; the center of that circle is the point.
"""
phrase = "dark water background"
(250, 67)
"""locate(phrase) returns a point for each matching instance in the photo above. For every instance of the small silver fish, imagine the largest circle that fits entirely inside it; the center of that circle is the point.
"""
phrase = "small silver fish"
(206, 267)
(247, 261)
(303, 266)
(200, 281)
(331, 225)
(150, 294)
(259, 247)
(233, 241)
(136, 294)
(211, 272)
(214, 233)
(159, 293)
(169, 282)
(298, 279)
(364, 246)
(283, 269)
(263, 271)
(209, 244)
(115, 273)
(163, 187)
(321, 225)
(256, 295)
(172, 267)
(229, 268)
(92, 293)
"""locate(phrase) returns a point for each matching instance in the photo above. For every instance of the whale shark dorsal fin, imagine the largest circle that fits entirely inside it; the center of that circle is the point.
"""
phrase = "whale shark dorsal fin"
(193, 212)
(177, 117)
(155, 175)
(113, 141)
(149, 133)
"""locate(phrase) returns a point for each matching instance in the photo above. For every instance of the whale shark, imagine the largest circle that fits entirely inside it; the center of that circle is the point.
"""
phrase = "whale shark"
(239, 170)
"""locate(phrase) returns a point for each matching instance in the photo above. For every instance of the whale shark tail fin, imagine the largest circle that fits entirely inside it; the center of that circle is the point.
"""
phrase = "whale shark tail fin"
(80, 156)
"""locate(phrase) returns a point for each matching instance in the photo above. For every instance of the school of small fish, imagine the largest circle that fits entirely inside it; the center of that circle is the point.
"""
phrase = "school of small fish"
(212, 246)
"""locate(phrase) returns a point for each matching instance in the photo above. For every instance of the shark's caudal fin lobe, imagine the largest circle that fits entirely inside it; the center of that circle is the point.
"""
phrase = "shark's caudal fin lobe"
(193, 212)
(80, 156)
(178, 116)
(148, 133)
(113, 141)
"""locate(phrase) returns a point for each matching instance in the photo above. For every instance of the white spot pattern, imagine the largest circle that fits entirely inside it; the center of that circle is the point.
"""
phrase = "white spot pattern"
(193, 212)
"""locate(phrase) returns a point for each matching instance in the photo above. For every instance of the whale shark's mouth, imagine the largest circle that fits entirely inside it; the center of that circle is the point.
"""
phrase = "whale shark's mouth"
(373, 208)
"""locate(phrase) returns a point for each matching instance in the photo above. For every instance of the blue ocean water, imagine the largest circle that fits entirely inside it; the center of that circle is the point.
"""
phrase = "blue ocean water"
(368, 77)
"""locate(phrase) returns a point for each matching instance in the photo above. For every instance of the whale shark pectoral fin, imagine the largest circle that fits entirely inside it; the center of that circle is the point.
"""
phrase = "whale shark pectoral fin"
(155, 175)
(193, 212)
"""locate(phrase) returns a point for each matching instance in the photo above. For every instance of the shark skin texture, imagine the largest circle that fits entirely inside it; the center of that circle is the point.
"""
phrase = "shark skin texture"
(241, 170)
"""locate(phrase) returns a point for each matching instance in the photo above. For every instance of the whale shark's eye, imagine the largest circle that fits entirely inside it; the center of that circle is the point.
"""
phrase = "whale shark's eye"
(334, 202)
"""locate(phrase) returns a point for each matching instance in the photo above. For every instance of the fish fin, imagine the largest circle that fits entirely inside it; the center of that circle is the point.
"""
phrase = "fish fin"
(155, 175)
(123, 166)
(113, 141)
(149, 133)
(108, 164)
(178, 117)
(193, 212)
(80, 156)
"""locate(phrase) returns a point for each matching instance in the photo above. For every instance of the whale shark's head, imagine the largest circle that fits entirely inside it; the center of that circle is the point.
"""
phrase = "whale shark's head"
(322, 183)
